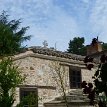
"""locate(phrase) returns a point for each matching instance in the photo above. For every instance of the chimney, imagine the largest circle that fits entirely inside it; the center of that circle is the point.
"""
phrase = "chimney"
(94, 47)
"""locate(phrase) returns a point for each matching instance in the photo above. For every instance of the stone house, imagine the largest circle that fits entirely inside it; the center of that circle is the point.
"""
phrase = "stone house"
(35, 65)
(39, 65)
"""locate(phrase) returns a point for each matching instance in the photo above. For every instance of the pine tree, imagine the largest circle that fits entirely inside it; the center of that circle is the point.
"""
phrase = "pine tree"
(11, 35)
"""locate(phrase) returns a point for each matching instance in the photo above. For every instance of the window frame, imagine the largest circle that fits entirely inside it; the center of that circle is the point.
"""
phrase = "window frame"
(71, 76)
(29, 89)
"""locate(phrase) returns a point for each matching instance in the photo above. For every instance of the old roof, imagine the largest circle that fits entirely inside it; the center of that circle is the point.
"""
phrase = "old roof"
(53, 52)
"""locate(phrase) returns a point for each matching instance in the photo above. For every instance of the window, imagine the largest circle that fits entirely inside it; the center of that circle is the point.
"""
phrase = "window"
(75, 78)
(29, 97)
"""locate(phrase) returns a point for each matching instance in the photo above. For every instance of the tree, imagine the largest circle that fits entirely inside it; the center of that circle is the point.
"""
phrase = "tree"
(58, 74)
(104, 46)
(99, 88)
(11, 35)
(76, 46)
(11, 39)
(10, 77)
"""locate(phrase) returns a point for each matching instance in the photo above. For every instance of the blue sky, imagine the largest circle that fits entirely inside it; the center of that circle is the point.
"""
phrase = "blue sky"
(58, 21)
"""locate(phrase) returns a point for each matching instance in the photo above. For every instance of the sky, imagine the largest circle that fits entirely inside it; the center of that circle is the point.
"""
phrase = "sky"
(59, 21)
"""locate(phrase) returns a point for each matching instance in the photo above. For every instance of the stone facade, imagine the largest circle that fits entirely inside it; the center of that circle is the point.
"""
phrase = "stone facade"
(75, 98)
(86, 75)
(39, 65)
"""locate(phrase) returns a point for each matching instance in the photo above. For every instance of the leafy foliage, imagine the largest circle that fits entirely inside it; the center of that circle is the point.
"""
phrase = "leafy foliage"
(88, 89)
(31, 101)
(10, 78)
(11, 38)
(11, 35)
(100, 81)
(76, 46)
(104, 46)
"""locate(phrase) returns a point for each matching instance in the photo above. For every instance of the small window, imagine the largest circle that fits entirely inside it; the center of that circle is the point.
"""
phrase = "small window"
(29, 97)
(75, 79)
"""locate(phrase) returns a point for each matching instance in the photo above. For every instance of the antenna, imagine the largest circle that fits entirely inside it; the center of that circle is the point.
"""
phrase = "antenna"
(55, 46)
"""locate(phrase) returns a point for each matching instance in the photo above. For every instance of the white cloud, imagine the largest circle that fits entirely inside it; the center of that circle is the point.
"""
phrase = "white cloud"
(86, 1)
(54, 23)
(98, 19)
(46, 20)
(61, 29)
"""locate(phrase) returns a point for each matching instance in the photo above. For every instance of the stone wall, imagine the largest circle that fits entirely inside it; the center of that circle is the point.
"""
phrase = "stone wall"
(38, 72)
(87, 75)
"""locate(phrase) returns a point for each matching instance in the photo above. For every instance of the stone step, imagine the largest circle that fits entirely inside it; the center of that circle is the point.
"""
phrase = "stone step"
(76, 91)
(75, 98)
(74, 95)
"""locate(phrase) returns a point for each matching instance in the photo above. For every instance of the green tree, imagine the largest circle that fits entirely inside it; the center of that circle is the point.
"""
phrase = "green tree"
(10, 77)
(11, 38)
(104, 46)
(76, 46)
(11, 35)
